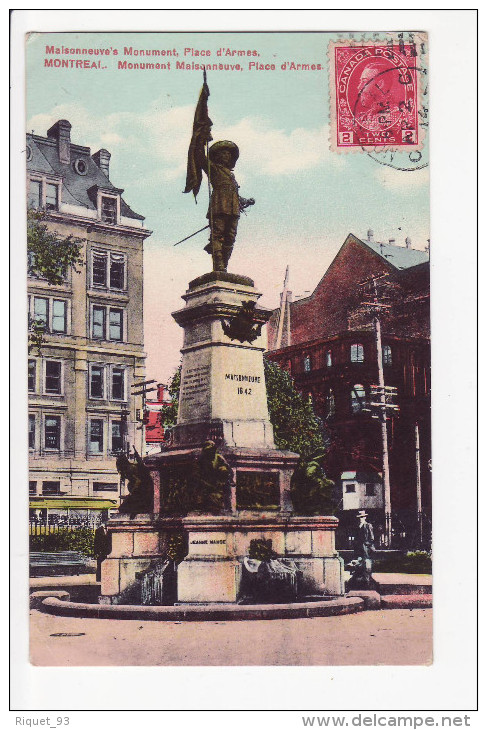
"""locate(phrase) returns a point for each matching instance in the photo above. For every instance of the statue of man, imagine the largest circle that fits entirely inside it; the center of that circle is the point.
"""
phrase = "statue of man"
(225, 203)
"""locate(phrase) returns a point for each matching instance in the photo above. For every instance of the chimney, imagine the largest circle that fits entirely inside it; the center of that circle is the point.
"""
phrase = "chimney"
(408, 242)
(102, 159)
(370, 235)
(160, 392)
(61, 131)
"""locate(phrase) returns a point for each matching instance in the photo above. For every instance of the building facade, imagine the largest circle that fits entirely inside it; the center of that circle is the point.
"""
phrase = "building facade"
(81, 412)
(328, 343)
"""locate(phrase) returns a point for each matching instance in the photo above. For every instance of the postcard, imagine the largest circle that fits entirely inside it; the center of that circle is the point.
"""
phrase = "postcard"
(229, 366)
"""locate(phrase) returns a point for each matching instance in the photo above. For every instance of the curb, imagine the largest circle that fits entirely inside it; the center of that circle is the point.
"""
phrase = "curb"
(411, 600)
(225, 612)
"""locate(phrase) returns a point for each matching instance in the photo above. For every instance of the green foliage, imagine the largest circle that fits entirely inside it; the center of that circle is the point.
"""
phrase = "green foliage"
(36, 335)
(169, 413)
(418, 561)
(296, 428)
(311, 491)
(261, 549)
(82, 540)
(50, 255)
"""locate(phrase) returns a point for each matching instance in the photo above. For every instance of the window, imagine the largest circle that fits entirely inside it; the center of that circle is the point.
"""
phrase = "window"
(118, 383)
(35, 194)
(31, 376)
(99, 269)
(41, 311)
(52, 192)
(105, 487)
(108, 270)
(370, 490)
(108, 209)
(59, 315)
(99, 318)
(329, 361)
(98, 322)
(117, 271)
(51, 487)
(386, 355)
(51, 313)
(117, 438)
(32, 431)
(96, 436)
(357, 396)
(330, 404)
(356, 353)
(96, 381)
(32, 488)
(53, 381)
(52, 432)
(307, 364)
(349, 488)
(116, 325)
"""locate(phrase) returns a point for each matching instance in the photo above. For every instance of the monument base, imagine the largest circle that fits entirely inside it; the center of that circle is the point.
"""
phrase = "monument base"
(216, 548)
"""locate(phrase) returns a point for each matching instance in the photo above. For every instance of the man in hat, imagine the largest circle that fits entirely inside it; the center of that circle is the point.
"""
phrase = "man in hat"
(225, 203)
(363, 548)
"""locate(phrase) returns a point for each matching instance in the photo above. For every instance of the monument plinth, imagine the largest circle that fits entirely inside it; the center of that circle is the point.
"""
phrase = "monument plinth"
(223, 393)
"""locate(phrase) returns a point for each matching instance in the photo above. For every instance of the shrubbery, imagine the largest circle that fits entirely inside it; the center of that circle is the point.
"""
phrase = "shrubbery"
(81, 540)
(418, 561)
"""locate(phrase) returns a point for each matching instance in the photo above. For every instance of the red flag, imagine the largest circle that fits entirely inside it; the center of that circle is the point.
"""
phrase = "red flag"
(201, 135)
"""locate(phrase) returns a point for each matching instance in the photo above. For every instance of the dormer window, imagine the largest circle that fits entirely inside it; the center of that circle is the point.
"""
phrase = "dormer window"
(107, 201)
(44, 194)
(51, 196)
(108, 209)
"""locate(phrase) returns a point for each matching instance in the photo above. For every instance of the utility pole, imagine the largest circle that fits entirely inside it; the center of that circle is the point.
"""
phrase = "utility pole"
(383, 425)
(382, 394)
(142, 388)
(419, 500)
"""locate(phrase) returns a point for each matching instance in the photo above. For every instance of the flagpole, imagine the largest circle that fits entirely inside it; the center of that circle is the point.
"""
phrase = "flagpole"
(209, 185)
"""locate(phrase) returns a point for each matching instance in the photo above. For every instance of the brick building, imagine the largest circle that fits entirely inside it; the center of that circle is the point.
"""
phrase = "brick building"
(327, 341)
(81, 412)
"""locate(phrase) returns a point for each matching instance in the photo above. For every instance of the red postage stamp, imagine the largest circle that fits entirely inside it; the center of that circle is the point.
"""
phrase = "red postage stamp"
(374, 95)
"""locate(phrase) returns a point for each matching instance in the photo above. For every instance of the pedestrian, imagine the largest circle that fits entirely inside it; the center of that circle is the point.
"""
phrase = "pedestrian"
(102, 547)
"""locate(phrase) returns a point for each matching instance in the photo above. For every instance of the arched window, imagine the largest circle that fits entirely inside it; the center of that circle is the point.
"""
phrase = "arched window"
(307, 364)
(329, 360)
(330, 404)
(357, 398)
(356, 353)
(386, 355)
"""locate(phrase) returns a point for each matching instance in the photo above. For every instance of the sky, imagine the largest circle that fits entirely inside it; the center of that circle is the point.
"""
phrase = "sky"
(308, 197)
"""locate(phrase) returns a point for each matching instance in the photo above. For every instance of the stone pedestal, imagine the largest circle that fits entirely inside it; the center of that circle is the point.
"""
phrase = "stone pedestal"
(217, 545)
(223, 399)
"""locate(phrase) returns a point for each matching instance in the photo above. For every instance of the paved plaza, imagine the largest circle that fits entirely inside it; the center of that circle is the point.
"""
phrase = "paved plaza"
(384, 637)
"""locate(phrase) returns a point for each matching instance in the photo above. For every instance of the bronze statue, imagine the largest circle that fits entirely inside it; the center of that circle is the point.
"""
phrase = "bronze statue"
(225, 203)
(310, 489)
(212, 476)
(241, 327)
(140, 499)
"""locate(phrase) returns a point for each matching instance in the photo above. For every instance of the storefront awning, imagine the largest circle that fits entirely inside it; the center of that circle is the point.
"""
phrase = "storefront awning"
(66, 503)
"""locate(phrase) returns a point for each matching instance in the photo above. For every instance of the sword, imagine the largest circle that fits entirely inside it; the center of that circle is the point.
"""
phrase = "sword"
(192, 234)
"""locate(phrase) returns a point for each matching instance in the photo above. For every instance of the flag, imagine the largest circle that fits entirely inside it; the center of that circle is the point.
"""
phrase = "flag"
(201, 135)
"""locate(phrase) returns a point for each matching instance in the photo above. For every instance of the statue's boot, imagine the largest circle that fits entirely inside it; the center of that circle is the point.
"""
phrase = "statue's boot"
(226, 253)
(217, 255)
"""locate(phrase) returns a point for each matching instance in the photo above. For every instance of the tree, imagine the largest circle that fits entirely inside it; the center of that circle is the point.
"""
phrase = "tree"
(49, 255)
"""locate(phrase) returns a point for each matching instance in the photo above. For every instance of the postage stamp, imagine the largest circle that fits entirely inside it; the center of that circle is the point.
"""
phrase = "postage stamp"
(374, 95)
